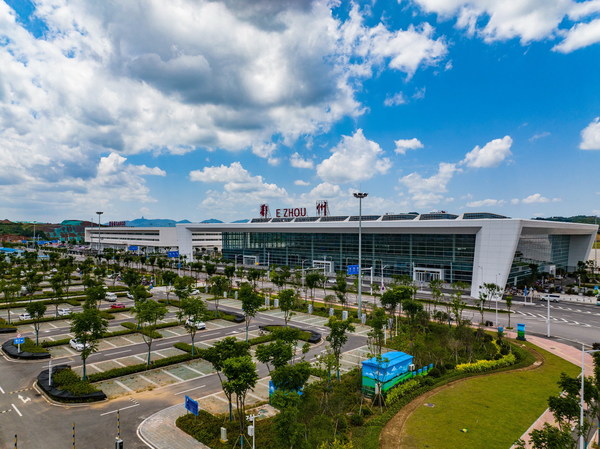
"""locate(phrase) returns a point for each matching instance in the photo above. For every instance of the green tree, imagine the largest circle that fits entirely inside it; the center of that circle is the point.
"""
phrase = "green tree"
(218, 285)
(229, 272)
(222, 350)
(254, 275)
(337, 338)
(376, 336)
(241, 377)
(36, 310)
(458, 305)
(183, 287)
(276, 353)
(393, 297)
(313, 280)
(291, 377)
(87, 328)
(509, 300)
(131, 278)
(287, 302)
(169, 277)
(32, 282)
(251, 302)
(139, 293)
(57, 283)
(193, 309)
(341, 288)
(148, 313)
(211, 269)
(289, 429)
(10, 289)
(94, 296)
(412, 309)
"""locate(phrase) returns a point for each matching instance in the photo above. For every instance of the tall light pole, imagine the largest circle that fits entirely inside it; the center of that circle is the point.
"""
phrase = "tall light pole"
(360, 196)
(99, 213)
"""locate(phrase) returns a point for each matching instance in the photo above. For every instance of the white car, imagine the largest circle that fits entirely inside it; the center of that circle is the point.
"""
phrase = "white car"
(195, 292)
(196, 324)
(129, 295)
(76, 344)
(111, 297)
(25, 316)
(64, 312)
(551, 298)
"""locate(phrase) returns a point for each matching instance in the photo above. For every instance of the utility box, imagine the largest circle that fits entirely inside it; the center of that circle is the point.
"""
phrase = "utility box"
(223, 435)
(276, 303)
(344, 315)
(387, 371)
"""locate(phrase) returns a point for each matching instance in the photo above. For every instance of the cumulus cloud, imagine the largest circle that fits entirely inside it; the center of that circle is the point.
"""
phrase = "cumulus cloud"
(297, 161)
(403, 145)
(301, 182)
(118, 77)
(355, 158)
(590, 136)
(535, 198)
(491, 155)
(527, 20)
(395, 100)
(325, 190)
(429, 191)
(486, 203)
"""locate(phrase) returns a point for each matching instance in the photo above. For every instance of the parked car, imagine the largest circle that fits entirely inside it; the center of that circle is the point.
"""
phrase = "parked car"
(64, 312)
(196, 324)
(111, 297)
(25, 316)
(195, 292)
(129, 295)
(76, 344)
(118, 305)
(551, 298)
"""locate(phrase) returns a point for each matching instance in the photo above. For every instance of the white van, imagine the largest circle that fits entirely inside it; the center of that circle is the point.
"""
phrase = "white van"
(111, 297)
(551, 298)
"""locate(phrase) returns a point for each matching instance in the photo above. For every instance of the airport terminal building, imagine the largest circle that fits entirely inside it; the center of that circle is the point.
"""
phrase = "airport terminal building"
(471, 247)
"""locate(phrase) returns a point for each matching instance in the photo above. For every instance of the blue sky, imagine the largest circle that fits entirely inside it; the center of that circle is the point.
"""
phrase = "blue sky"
(193, 109)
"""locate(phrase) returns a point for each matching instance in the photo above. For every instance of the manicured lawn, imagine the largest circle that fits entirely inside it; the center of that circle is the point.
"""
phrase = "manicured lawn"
(496, 409)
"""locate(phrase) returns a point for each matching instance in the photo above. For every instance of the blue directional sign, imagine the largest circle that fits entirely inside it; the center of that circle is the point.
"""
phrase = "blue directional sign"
(191, 405)
(352, 269)
(19, 341)
(173, 253)
(133, 247)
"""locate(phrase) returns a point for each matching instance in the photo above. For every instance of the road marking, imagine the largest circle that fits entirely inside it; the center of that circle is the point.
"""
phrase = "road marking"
(25, 400)
(194, 370)
(191, 389)
(119, 363)
(53, 325)
(266, 319)
(110, 344)
(146, 379)
(17, 410)
(122, 385)
(164, 343)
(179, 379)
(70, 351)
(118, 352)
(115, 411)
(128, 340)
(2, 390)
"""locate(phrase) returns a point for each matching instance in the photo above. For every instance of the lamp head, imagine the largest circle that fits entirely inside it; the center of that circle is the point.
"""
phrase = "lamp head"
(360, 195)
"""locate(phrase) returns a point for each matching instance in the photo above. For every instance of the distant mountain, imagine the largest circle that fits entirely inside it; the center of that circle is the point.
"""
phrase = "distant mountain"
(587, 219)
(154, 222)
(211, 220)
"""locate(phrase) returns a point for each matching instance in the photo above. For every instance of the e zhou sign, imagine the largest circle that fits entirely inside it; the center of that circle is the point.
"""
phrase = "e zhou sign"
(291, 212)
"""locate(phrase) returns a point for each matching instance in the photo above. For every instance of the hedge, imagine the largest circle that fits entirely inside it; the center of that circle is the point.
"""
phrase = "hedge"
(397, 392)
(140, 367)
(486, 365)
(67, 380)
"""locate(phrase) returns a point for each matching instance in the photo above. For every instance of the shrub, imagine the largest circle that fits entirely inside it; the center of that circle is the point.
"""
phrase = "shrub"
(486, 365)
(401, 390)
(30, 346)
(356, 419)
(67, 380)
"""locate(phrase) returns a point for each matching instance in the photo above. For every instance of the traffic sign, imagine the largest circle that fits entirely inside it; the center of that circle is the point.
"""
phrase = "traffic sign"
(19, 335)
(191, 405)
(173, 253)
(352, 269)
(19, 341)
(133, 247)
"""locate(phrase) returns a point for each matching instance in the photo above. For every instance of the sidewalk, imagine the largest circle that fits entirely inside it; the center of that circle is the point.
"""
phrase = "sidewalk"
(160, 432)
(565, 352)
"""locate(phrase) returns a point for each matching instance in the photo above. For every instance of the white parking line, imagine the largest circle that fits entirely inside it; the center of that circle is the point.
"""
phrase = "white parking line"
(164, 343)
(128, 340)
(191, 389)
(122, 385)
(119, 363)
(16, 409)
(119, 352)
(123, 408)
(147, 380)
(1, 390)
(194, 370)
(179, 379)
(110, 344)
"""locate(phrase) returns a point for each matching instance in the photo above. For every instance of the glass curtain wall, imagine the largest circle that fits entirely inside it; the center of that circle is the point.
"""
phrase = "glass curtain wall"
(396, 254)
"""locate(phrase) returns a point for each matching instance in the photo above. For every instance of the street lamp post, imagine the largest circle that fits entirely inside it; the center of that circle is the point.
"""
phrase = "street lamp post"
(360, 196)
(581, 401)
(99, 214)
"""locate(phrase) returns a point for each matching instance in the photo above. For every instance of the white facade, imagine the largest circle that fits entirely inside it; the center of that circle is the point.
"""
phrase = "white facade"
(149, 239)
(497, 240)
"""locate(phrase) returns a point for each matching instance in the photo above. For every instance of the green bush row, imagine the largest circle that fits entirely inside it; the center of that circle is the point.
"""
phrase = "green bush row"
(140, 367)
(67, 380)
(30, 346)
(5, 325)
(486, 365)
(397, 392)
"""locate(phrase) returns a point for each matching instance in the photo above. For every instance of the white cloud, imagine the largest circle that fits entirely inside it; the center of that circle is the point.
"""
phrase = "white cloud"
(355, 158)
(536, 198)
(325, 190)
(297, 161)
(395, 100)
(403, 145)
(118, 77)
(486, 203)
(539, 136)
(430, 191)
(301, 182)
(490, 155)
(590, 136)
(236, 179)
(527, 20)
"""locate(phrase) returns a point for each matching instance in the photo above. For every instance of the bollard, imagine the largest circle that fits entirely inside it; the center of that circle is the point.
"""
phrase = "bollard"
(223, 435)
(331, 311)
(267, 302)
(276, 303)
(363, 318)
(310, 309)
(344, 315)
(235, 295)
